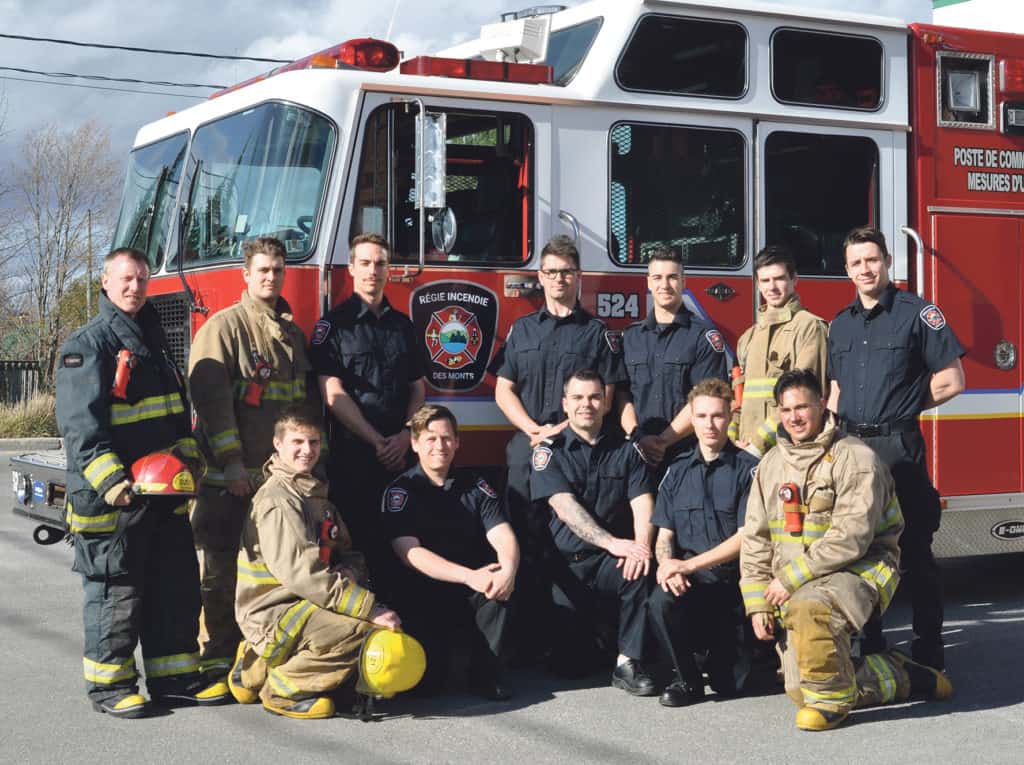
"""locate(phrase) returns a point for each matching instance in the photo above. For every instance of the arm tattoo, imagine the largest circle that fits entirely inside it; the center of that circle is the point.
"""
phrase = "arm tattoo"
(663, 548)
(579, 521)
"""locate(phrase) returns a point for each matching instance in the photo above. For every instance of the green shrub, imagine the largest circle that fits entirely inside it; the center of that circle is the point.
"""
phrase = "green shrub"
(34, 418)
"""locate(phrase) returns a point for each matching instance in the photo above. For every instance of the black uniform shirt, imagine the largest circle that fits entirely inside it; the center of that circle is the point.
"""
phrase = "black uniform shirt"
(375, 357)
(665, 361)
(705, 503)
(450, 520)
(883, 359)
(603, 478)
(542, 350)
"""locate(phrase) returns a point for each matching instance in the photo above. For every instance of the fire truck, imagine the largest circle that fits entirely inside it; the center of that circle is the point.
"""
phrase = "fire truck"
(714, 128)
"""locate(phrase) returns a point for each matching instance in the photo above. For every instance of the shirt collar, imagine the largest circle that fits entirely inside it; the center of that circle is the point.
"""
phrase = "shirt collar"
(683, 318)
(885, 300)
(726, 457)
(577, 315)
(362, 308)
(574, 440)
(417, 474)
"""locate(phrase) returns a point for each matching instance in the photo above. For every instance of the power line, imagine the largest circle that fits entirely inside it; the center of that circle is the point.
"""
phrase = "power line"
(100, 87)
(101, 78)
(80, 44)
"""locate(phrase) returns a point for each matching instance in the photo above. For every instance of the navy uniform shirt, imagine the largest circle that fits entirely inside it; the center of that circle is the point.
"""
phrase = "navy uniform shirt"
(705, 503)
(883, 359)
(450, 520)
(665, 361)
(542, 350)
(375, 357)
(603, 478)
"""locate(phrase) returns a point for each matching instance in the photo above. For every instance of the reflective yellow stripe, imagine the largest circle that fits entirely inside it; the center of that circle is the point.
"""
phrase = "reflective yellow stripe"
(352, 600)
(101, 467)
(769, 431)
(181, 509)
(759, 387)
(187, 446)
(287, 632)
(777, 528)
(225, 441)
(255, 573)
(796, 572)
(815, 531)
(892, 516)
(92, 524)
(150, 408)
(224, 662)
(283, 687)
(880, 575)
(107, 674)
(881, 668)
(753, 595)
(275, 390)
(165, 666)
(843, 696)
(734, 431)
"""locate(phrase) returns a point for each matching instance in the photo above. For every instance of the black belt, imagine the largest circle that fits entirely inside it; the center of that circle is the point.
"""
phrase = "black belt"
(869, 429)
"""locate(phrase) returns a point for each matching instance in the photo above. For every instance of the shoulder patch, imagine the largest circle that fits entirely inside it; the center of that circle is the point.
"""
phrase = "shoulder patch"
(320, 332)
(395, 500)
(486, 489)
(541, 457)
(932, 316)
(71, 360)
(614, 339)
(715, 340)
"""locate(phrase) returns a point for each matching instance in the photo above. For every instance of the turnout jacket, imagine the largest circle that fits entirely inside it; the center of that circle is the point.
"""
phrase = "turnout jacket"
(851, 522)
(226, 354)
(790, 337)
(103, 432)
(281, 578)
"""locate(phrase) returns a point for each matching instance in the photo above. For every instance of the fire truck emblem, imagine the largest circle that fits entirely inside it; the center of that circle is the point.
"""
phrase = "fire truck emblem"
(453, 337)
(932, 316)
(457, 321)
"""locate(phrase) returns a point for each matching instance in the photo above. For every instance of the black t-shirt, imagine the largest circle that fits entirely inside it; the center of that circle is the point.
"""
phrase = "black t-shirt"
(450, 520)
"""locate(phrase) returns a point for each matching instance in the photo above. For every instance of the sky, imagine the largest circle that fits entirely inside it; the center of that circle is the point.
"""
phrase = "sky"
(234, 27)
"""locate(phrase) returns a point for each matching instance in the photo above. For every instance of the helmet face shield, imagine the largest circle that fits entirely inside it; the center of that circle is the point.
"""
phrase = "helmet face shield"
(162, 474)
(390, 662)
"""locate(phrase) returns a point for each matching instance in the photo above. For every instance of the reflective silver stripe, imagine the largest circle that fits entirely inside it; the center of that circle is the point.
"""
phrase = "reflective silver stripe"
(150, 408)
(108, 674)
(101, 467)
(165, 666)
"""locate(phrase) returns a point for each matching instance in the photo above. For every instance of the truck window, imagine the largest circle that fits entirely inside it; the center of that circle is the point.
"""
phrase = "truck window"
(489, 186)
(817, 188)
(826, 69)
(677, 187)
(568, 47)
(263, 173)
(150, 190)
(686, 57)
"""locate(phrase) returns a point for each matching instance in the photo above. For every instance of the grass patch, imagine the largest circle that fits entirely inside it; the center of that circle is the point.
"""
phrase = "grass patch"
(34, 418)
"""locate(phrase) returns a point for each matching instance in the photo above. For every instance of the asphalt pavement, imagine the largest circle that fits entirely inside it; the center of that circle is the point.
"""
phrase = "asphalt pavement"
(45, 717)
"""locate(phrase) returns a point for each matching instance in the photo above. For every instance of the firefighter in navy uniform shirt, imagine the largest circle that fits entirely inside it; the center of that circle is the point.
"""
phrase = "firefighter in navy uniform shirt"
(666, 354)
(701, 506)
(371, 376)
(450, 530)
(601, 495)
(892, 355)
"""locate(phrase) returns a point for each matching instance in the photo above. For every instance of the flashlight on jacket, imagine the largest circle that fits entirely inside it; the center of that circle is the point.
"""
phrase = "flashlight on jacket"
(254, 389)
(736, 375)
(125, 364)
(328, 533)
(789, 494)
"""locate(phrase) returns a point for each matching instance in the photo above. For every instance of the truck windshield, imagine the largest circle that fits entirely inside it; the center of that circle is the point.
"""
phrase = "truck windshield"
(262, 173)
(150, 188)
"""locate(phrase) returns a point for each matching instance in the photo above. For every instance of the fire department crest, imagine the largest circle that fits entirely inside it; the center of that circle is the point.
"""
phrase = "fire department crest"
(486, 489)
(396, 499)
(541, 457)
(457, 321)
(932, 316)
(715, 340)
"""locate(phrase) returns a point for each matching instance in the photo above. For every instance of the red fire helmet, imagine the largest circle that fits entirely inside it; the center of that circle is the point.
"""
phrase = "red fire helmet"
(161, 473)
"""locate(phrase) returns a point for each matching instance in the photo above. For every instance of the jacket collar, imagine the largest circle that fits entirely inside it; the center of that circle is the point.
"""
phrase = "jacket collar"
(305, 484)
(280, 310)
(802, 456)
(767, 316)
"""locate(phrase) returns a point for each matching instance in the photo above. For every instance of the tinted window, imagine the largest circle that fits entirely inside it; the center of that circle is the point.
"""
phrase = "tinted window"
(817, 188)
(262, 173)
(488, 186)
(150, 189)
(691, 57)
(568, 47)
(826, 69)
(677, 187)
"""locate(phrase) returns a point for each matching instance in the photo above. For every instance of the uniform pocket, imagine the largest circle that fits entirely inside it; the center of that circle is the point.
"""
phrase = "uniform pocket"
(100, 556)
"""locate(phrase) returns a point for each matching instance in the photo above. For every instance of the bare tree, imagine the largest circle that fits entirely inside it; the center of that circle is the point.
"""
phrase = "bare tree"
(61, 176)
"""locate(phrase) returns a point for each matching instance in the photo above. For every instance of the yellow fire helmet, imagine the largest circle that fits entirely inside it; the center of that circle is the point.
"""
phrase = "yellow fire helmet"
(161, 473)
(391, 662)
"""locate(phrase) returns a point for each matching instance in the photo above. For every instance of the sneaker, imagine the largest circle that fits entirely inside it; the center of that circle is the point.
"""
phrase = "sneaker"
(813, 718)
(924, 680)
(129, 706)
(316, 708)
(241, 694)
(631, 677)
(198, 693)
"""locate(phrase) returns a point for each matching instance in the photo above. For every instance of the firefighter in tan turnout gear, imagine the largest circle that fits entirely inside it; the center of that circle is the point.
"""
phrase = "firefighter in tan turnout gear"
(785, 336)
(819, 554)
(247, 363)
(309, 622)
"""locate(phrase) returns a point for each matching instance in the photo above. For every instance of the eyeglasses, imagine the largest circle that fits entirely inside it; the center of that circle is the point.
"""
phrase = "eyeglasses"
(555, 273)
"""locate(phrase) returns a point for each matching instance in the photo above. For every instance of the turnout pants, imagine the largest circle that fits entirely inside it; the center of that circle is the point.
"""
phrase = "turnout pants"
(706, 616)
(140, 583)
(819, 620)
(217, 519)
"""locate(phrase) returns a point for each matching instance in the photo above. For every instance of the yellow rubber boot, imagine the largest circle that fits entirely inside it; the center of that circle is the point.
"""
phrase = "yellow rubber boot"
(316, 708)
(214, 694)
(924, 680)
(813, 718)
(128, 707)
(242, 694)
